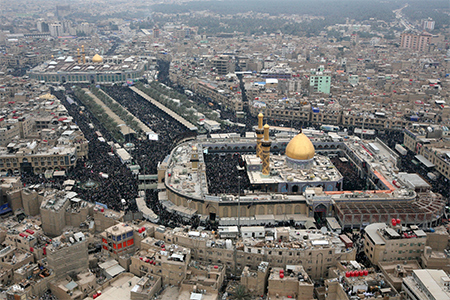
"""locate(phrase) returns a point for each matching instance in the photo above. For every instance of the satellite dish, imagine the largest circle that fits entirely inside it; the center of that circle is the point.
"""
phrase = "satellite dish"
(323, 230)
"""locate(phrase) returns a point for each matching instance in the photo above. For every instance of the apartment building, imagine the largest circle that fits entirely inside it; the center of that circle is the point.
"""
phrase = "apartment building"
(118, 240)
(169, 261)
(255, 279)
(427, 284)
(392, 243)
(60, 209)
(68, 253)
(292, 282)
(415, 41)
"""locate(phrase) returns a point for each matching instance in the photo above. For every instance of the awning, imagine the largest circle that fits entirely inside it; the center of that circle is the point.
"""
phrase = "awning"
(310, 224)
(59, 173)
(424, 161)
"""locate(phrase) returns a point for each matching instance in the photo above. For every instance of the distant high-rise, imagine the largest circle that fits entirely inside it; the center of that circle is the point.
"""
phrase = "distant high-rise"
(318, 82)
(42, 26)
(415, 41)
(56, 29)
(156, 32)
(428, 24)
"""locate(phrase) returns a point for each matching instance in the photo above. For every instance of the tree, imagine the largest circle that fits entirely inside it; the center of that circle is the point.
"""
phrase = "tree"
(241, 293)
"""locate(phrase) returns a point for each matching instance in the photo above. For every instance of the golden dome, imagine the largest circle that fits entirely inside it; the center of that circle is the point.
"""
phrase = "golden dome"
(47, 96)
(300, 148)
(97, 59)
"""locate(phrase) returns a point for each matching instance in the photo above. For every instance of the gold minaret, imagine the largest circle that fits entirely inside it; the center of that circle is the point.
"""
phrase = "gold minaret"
(83, 53)
(266, 152)
(78, 55)
(259, 135)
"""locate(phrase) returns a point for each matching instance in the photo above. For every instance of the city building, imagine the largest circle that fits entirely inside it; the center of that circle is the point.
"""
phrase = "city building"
(96, 69)
(118, 240)
(414, 41)
(292, 282)
(67, 254)
(426, 284)
(393, 243)
(350, 280)
(319, 82)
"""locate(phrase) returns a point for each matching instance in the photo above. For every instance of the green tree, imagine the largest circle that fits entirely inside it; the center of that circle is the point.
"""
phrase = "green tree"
(241, 293)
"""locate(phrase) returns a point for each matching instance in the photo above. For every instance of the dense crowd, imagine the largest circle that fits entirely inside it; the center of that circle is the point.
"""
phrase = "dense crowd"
(352, 181)
(222, 173)
(222, 169)
(120, 184)
(147, 153)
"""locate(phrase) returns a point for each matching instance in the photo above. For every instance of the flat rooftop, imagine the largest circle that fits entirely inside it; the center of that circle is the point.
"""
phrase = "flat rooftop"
(323, 170)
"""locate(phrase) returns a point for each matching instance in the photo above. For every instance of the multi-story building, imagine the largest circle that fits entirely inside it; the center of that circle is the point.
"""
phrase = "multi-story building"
(427, 284)
(68, 254)
(415, 41)
(350, 280)
(169, 261)
(281, 71)
(12, 258)
(319, 82)
(255, 280)
(118, 239)
(61, 209)
(223, 65)
(31, 281)
(428, 24)
(435, 255)
(393, 243)
(56, 29)
(293, 282)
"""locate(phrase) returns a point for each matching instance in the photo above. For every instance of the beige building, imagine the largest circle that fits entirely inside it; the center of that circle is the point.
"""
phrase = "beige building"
(12, 258)
(68, 254)
(351, 281)
(384, 243)
(427, 284)
(166, 260)
(74, 287)
(415, 41)
(203, 278)
(293, 282)
(118, 240)
(255, 280)
(315, 251)
(61, 209)
(31, 281)
(394, 272)
(435, 255)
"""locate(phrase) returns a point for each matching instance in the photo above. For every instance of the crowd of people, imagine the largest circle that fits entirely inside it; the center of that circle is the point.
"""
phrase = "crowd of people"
(147, 153)
(121, 182)
(222, 172)
(352, 181)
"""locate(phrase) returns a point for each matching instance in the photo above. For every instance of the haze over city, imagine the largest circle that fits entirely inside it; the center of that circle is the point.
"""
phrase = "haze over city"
(206, 150)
